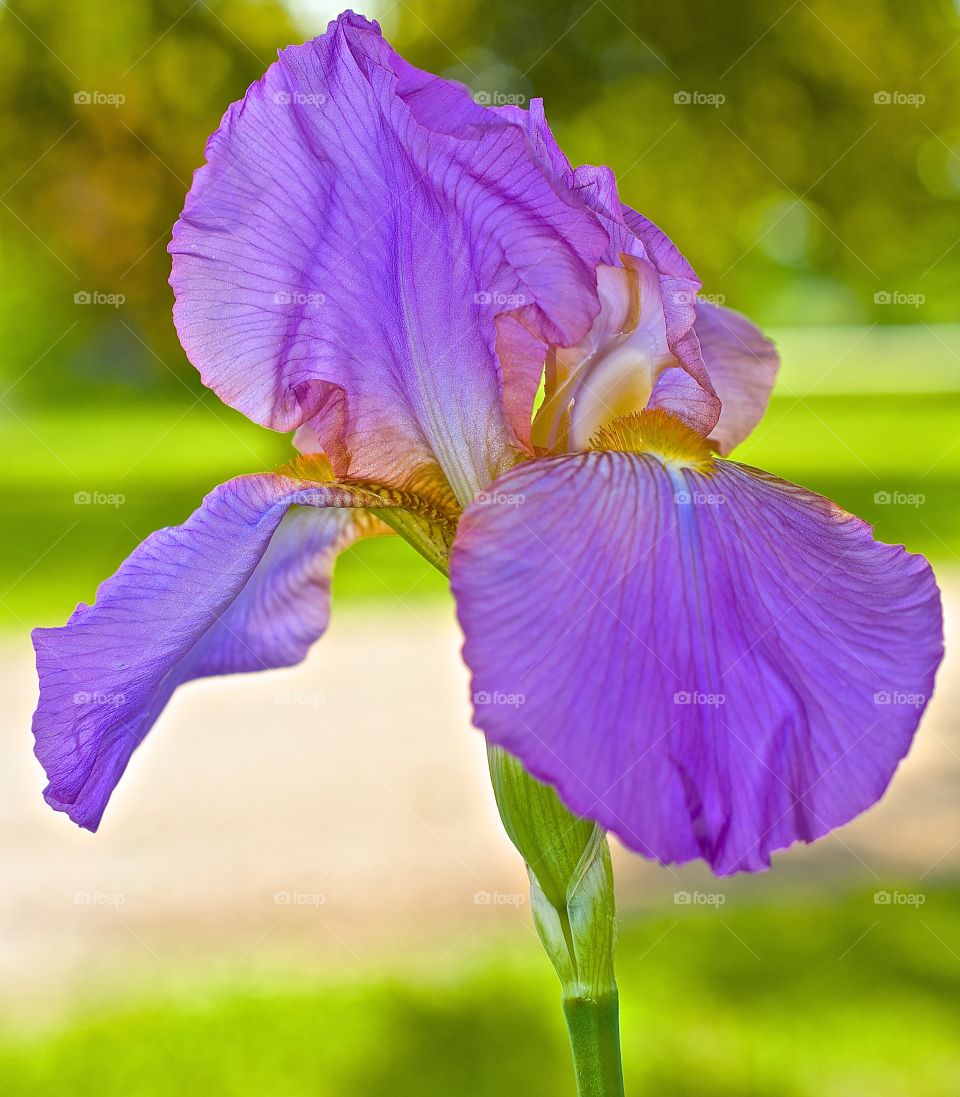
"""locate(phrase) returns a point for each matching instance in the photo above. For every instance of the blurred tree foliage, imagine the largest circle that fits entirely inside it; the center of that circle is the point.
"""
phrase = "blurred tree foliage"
(777, 141)
(805, 155)
(107, 109)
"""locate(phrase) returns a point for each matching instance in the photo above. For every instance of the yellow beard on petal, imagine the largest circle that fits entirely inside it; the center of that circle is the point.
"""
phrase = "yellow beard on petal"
(657, 432)
(426, 491)
(429, 524)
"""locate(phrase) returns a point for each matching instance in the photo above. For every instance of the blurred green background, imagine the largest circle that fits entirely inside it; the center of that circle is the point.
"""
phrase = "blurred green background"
(806, 158)
(796, 1013)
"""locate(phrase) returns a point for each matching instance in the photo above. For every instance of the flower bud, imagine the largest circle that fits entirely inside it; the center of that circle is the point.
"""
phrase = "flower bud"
(571, 878)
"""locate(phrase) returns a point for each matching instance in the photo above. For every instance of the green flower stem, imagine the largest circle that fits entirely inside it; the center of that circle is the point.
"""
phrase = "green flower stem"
(571, 878)
(593, 1024)
(571, 897)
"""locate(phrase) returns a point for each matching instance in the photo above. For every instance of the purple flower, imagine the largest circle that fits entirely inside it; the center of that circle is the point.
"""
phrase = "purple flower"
(707, 660)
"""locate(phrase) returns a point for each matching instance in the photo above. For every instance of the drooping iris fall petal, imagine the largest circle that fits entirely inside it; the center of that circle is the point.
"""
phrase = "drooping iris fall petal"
(710, 663)
(342, 256)
(242, 585)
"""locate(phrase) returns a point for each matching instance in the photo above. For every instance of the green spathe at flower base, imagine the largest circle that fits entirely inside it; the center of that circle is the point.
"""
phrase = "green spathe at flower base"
(571, 895)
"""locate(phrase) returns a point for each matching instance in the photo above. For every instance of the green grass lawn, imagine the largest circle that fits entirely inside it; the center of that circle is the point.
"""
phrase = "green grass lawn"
(163, 459)
(838, 999)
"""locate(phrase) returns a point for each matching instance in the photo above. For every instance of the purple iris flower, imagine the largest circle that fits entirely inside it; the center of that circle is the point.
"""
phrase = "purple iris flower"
(481, 347)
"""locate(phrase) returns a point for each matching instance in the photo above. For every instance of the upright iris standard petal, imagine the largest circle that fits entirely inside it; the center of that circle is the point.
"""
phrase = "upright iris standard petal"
(630, 233)
(343, 255)
(242, 585)
(668, 302)
(686, 390)
(627, 230)
(742, 364)
(706, 660)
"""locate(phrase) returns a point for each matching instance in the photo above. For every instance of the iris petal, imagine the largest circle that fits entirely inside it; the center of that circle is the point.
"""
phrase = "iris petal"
(685, 388)
(242, 585)
(631, 233)
(342, 257)
(710, 665)
(742, 364)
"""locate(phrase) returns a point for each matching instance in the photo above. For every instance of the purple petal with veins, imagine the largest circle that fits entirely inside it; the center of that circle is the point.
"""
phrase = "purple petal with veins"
(710, 666)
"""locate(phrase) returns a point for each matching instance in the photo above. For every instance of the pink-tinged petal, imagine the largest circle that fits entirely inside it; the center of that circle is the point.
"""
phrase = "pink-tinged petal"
(612, 371)
(742, 363)
(242, 585)
(680, 394)
(710, 664)
(633, 234)
(523, 351)
(343, 255)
